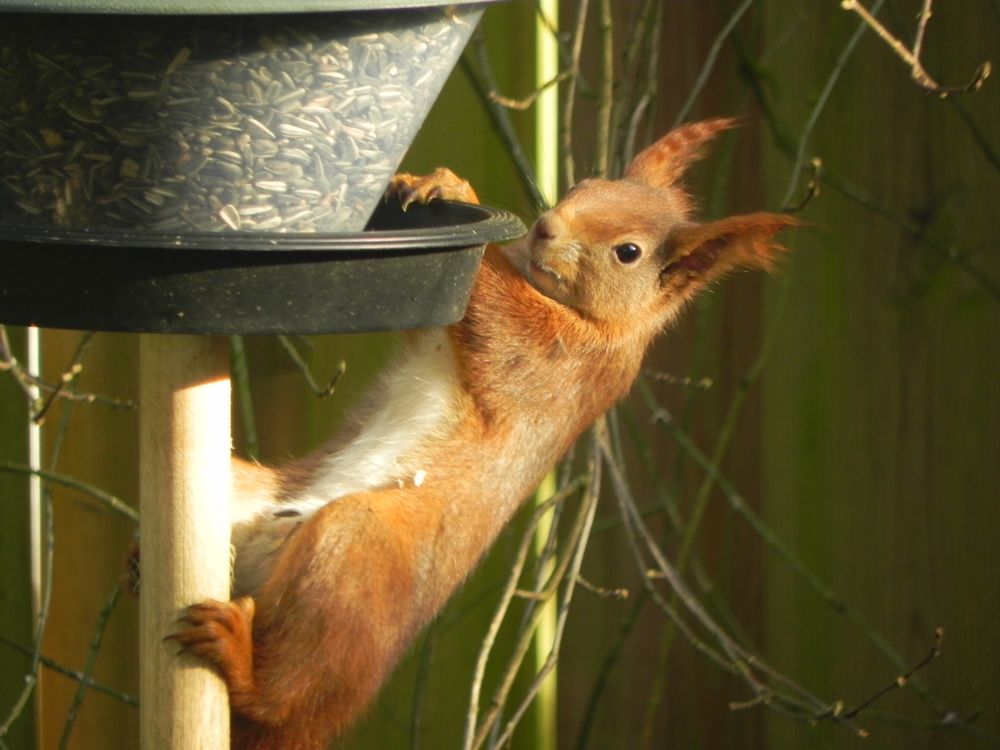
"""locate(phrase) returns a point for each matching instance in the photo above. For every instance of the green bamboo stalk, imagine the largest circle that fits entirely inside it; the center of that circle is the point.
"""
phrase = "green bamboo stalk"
(547, 164)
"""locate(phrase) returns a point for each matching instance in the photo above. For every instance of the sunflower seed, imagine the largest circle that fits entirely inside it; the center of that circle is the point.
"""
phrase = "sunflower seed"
(230, 216)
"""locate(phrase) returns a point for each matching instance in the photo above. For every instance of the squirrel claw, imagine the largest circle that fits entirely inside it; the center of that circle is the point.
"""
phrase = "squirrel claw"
(221, 634)
(130, 579)
(440, 184)
(218, 632)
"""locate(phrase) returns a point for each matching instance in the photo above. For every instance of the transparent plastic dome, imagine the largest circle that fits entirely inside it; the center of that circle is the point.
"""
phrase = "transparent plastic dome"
(291, 122)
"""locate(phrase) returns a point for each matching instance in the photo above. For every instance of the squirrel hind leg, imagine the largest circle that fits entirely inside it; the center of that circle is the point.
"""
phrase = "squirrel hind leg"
(441, 184)
(221, 634)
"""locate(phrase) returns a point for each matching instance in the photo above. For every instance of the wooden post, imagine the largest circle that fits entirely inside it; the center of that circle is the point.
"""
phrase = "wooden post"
(184, 451)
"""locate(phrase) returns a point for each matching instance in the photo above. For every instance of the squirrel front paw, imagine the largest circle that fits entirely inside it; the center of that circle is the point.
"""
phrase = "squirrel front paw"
(221, 633)
(442, 183)
(130, 579)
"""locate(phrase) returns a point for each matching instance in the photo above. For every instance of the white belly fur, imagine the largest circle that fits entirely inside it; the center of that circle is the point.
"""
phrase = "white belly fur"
(417, 404)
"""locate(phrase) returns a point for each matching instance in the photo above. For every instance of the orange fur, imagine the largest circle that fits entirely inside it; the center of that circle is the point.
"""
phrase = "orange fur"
(555, 332)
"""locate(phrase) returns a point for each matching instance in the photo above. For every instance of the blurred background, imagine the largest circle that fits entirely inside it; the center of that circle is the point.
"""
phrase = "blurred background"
(816, 454)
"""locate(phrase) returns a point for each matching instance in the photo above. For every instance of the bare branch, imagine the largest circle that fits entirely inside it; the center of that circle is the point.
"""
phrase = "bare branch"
(241, 395)
(72, 371)
(619, 593)
(903, 679)
(105, 498)
(912, 56)
(320, 391)
(569, 102)
(522, 104)
(710, 59)
(26, 381)
(565, 573)
(606, 96)
(638, 82)
(770, 686)
(72, 673)
(701, 384)
(473, 738)
(484, 81)
(831, 82)
(84, 683)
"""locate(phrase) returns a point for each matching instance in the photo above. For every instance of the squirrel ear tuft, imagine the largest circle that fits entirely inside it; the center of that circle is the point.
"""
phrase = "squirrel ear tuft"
(743, 241)
(663, 163)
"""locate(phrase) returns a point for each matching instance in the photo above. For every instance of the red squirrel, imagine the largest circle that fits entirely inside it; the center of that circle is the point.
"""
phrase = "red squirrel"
(342, 557)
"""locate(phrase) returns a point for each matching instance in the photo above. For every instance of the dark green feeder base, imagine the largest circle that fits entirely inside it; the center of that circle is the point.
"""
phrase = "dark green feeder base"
(410, 269)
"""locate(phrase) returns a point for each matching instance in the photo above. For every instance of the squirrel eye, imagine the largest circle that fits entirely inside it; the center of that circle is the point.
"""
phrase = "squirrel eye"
(628, 252)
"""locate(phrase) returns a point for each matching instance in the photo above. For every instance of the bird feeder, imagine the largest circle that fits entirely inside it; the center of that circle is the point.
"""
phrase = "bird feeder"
(191, 168)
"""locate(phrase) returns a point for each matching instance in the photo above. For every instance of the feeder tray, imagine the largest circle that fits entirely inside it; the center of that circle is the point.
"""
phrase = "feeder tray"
(409, 269)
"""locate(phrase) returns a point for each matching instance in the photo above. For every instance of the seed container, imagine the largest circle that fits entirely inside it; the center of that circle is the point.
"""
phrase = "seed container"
(185, 116)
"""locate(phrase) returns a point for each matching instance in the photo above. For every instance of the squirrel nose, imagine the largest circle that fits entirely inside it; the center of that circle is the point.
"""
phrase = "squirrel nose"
(544, 229)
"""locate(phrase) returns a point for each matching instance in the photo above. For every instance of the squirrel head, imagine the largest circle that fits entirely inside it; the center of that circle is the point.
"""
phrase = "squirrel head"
(625, 252)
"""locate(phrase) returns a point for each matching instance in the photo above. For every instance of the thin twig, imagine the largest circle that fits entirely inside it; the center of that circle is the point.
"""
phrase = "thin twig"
(912, 57)
(576, 546)
(533, 617)
(9, 363)
(26, 381)
(948, 721)
(577, 537)
(812, 187)
(604, 593)
(482, 78)
(606, 90)
(959, 258)
(72, 674)
(70, 374)
(45, 597)
(520, 105)
(634, 529)
(831, 82)
(903, 679)
(320, 391)
(689, 532)
(666, 500)
(569, 97)
(709, 64)
(600, 682)
(637, 88)
(241, 394)
(838, 605)
(950, 253)
(658, 376)
(30, 680)
(978, 136)
(95, 646)
(489, 639)
(419, 684)
(923, 18)
(781, 693)
(105, 498)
